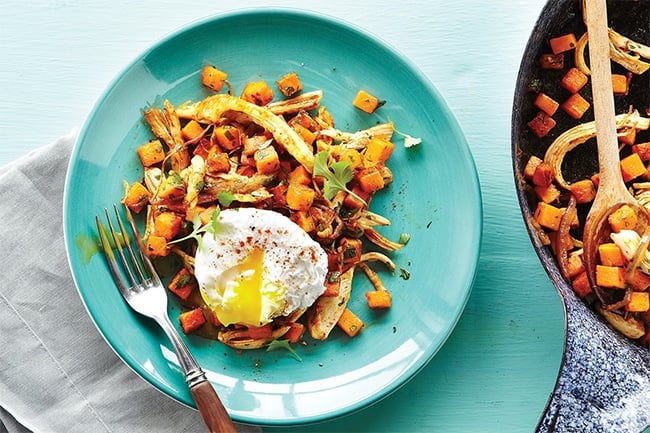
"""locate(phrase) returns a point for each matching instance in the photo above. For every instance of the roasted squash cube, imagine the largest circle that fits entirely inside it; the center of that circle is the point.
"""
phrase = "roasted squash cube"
(541, 124)
(379, 150)
(182, 284)
(191, 320)
(137, 197)
(300, 197)
(267, 160)
(151, 153)
(610, 276)
(379, 299)
(172, 188)
(258, 93)
(639, 302)
(364, 101)
(574, 80)
(167, 225)
(290, 84)
(576, 106)
(213, 78)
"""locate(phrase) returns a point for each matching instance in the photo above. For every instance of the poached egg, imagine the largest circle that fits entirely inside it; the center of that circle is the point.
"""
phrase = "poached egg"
(259, 265)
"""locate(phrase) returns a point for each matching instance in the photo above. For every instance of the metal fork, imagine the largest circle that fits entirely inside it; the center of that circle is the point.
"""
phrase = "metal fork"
(145, 294)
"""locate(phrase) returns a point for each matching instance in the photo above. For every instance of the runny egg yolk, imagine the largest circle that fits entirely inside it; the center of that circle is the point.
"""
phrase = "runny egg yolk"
(247, 298)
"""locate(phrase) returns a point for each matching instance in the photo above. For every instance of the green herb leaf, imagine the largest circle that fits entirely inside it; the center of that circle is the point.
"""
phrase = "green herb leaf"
(225, 198)
(409, 141)
(404, 238)
(336, 179)
(283, 344)
(215, 224)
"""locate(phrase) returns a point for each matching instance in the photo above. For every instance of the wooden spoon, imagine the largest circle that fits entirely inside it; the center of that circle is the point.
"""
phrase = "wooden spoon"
(612, 192)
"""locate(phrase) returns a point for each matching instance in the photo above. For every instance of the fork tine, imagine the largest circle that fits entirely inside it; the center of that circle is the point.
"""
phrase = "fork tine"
(136, 264)
(110, 256)
(120, 249)
(141, 246)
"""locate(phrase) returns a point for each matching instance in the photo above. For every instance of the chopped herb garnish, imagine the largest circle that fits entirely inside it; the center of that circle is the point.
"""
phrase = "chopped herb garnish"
(225, 198)
(337, 178)
(283, 344)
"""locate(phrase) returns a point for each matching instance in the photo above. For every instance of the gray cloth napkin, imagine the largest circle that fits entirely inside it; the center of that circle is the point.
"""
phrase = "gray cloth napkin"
(57, 374)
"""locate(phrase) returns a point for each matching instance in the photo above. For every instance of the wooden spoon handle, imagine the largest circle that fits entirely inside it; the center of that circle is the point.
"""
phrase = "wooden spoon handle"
(603, 95)
(212, 411)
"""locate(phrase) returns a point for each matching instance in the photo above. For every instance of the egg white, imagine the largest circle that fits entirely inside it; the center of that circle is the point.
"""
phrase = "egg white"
(294, 267)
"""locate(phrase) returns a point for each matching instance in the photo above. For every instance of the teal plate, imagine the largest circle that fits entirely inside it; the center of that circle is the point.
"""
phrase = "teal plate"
(435, 197)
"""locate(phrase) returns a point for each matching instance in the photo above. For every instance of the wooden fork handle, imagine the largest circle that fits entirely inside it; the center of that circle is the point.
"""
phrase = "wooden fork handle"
(212, 411)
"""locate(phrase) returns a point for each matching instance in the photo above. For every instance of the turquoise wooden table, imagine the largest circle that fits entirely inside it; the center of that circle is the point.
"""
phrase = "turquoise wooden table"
(499, 366)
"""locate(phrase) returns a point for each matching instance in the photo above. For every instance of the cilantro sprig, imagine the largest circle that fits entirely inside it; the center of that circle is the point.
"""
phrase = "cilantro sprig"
(198, 229)
(337, 178)
(285, 345)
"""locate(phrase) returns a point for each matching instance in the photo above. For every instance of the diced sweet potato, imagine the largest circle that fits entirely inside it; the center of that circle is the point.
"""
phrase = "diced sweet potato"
(157, 246)
(623, 218)
(561, 44)
(611, 255)
(151, 153)
(364, 101)
(632, 167)
(217, 161)
(350, 323)
(575, 106)
(379, 299)
(260, 332)
(574, 80)
(583, 190)
(350, 250)
(575, 265)
(332, 283)
(304, 220)
(543, 174)
(547, 104)
(182, 284)
(295, 332)
(353, 200)
(352, 156)
(619, 84)
(370, 179)
(267, 160)
(307, 136)
(531, 166)
(300, 197)
(581, 284)
(548, 216)
(258, 93)
(378, 150)
(639, 302)
(290, 84)
(542, 124)
(172, 188)
(299, 175)
(213, 78)
(137, 197)
(192, 130)
(610, 276)
(167, 225)
(191, 320)
(228, 137)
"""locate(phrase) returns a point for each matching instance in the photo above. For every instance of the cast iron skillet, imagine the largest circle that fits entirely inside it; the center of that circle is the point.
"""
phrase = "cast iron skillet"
(604, 380)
